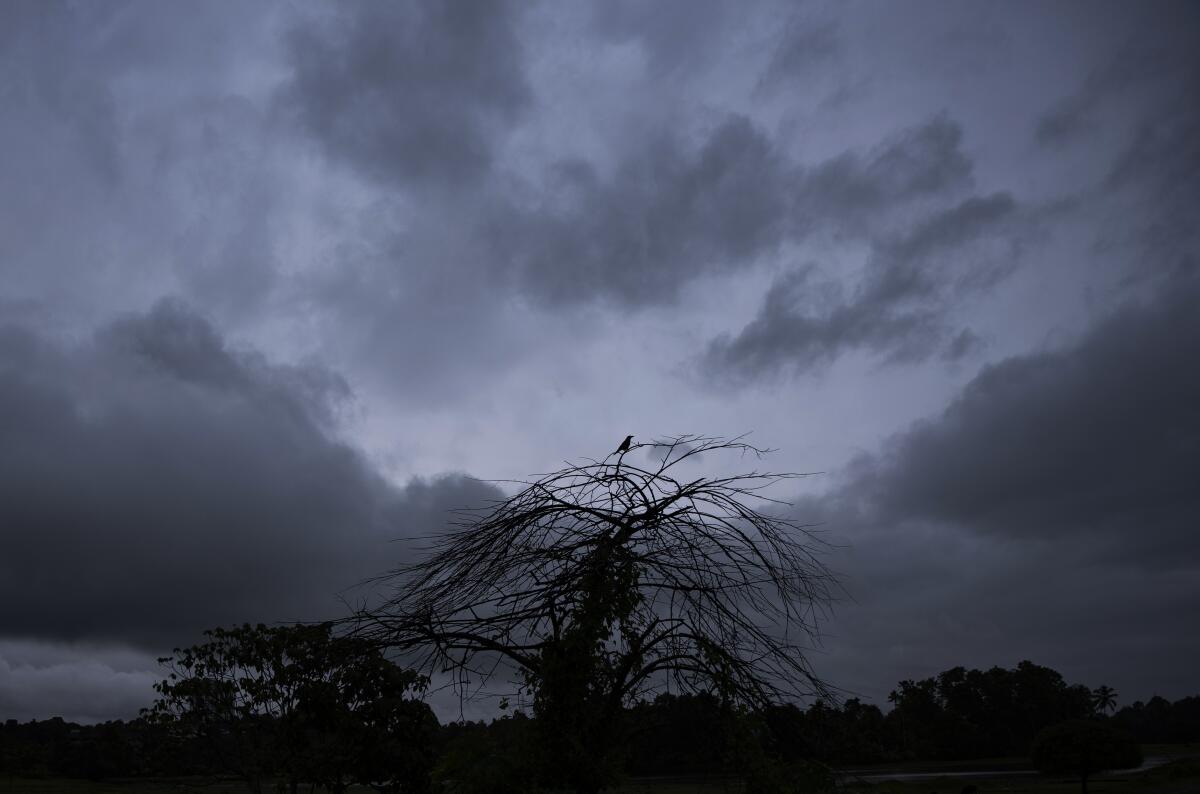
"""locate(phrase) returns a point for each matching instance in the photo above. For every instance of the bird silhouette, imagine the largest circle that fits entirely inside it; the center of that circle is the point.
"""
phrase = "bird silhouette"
(624, 446)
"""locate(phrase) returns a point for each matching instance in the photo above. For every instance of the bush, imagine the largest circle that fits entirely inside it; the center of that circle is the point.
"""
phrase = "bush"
(1083, 748)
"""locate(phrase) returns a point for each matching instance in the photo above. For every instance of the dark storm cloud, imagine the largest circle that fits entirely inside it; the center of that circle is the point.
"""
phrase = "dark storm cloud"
(670, 213)
(1155, 184)
(409, 92)
(155, 482)
(899, 311)
(1049, 512)
(1137, 106)
(1098, 444)
(1155, 52)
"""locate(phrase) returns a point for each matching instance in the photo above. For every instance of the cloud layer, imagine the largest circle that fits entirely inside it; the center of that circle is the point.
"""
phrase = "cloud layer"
(1051, 506)
(408, 94)
(268, 273)
(157, 482)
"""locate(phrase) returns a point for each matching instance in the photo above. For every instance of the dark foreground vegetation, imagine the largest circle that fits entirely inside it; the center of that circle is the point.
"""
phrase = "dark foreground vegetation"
(956, 716)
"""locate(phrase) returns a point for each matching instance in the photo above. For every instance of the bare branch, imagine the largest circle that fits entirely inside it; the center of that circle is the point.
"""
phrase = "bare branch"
(705, 583)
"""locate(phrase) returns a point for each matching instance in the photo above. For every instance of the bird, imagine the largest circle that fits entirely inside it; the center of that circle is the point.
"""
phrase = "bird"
(624, 446)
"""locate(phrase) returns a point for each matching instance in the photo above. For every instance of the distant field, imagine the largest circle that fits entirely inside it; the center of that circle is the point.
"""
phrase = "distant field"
(66, 786)
(1181, 775)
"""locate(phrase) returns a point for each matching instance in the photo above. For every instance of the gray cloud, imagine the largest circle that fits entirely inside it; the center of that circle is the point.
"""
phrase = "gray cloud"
(669, 214)
(1133, 111)
(411, 93)
(899, 310)
(1093, 443)
(154, 482)
(674, 35)
(80, 683)
(804, 46)
(664, 217)
(77, 100)
(502, 223)
(136, 164)
(1049, 511)
(1152, 189)
(922, 162)
(1153, 54)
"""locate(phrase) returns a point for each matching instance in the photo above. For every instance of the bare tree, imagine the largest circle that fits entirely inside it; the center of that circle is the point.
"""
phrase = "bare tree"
(603, 582)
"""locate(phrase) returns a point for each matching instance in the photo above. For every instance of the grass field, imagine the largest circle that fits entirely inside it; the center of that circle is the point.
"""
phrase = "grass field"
(1180, 775)
(1176, 777)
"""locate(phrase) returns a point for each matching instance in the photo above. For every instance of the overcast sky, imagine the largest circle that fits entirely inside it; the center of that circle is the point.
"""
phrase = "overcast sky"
(277, 280)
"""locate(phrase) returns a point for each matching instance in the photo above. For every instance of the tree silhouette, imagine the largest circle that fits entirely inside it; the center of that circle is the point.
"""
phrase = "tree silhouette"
(1104, 698)
(603, 582)
(1083, 748)
(963, 713)
(299, 705)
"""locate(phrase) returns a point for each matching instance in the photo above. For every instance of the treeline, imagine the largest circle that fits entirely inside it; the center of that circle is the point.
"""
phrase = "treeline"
(144, 748)
(57, 748)
(958, 714)
(1159, 721)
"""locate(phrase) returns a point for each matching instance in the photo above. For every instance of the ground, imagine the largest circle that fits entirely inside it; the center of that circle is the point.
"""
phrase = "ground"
(1179, 775)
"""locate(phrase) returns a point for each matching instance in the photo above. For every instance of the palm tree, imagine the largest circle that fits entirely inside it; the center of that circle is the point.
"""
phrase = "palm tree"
(1104, 698)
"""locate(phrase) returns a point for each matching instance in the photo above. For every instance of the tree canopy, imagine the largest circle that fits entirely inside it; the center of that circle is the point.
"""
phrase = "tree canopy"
(299, 704)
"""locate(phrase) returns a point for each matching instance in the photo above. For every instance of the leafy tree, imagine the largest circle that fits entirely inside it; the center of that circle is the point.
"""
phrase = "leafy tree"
(606, 581)
(299, 703)
(1083, 748)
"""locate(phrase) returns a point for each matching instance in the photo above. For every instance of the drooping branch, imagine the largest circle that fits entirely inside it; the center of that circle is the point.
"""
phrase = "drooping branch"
(699, 583)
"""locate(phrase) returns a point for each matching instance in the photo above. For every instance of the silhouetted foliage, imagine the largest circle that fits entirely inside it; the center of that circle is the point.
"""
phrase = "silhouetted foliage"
(605, 581)
(489, 759)
(750, 755)
(974, 713)
(299, 704)
(673, 734)
(1159, 721)
(57, 748)
(1083, 748)
(676, 734)
(1104, 698)
(853, 733)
